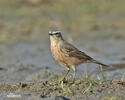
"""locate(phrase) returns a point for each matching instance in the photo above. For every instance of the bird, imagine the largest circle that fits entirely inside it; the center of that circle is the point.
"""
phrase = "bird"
(67, 54)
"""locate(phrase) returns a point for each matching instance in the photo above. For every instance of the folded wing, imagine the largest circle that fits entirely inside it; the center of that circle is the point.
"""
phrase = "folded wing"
(72, 51)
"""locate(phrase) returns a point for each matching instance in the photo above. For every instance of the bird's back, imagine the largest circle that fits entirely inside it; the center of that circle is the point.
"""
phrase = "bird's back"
(72, 51)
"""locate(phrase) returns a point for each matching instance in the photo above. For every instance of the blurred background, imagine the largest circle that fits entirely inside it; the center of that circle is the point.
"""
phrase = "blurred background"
(95, 26)
(32, 19)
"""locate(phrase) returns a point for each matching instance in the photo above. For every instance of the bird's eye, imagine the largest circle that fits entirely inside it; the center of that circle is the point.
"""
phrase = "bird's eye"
(56, 34)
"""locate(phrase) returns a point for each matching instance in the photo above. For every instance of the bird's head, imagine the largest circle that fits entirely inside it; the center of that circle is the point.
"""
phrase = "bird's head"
(55, 35)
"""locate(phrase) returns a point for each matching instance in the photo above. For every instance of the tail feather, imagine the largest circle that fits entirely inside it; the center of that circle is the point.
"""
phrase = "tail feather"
(97, 62)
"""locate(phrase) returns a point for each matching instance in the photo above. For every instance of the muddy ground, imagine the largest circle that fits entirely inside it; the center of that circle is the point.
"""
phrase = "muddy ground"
(57, 90)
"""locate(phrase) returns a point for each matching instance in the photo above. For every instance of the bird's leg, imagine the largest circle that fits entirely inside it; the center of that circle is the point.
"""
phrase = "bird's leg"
(66, 74)
(74, 74)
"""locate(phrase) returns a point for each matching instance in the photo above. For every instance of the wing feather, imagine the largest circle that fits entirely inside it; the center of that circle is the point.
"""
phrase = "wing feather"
(72, 51)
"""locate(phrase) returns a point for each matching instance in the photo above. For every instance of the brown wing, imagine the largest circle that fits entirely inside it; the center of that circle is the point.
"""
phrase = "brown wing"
(70, 50)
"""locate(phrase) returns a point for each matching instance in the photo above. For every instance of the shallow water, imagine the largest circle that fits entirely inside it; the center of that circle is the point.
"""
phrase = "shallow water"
(31, 61)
